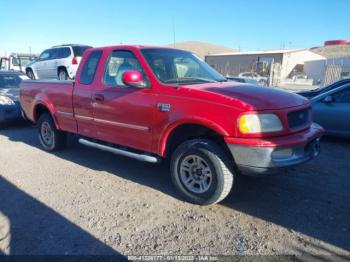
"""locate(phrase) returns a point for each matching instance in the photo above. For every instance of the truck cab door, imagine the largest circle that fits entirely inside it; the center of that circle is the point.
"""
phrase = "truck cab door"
(123, 115)
(85, 88)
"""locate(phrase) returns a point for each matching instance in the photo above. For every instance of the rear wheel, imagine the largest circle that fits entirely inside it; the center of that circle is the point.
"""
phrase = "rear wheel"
(50, 138)
(200, 170)
(63, 74)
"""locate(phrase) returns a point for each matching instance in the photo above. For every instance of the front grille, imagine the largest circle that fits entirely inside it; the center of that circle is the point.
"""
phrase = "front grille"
(299, 119)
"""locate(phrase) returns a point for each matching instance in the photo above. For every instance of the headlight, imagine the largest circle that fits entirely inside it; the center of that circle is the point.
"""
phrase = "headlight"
(259, 123)
(6, 101)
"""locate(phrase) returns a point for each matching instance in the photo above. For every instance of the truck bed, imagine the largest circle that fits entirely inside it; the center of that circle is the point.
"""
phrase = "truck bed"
(58, 94)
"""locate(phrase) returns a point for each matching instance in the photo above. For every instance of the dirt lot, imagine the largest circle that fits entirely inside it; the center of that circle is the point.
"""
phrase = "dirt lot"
(84, 201)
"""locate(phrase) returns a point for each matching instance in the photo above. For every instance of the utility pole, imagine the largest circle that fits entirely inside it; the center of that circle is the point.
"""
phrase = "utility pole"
(174, 35)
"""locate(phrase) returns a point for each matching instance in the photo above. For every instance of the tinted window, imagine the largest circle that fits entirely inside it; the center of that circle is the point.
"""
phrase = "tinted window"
(343, 96)
(79, 50)
(44, 55)
(54, 53)
(89, 68)
(118, 63)
(9, 81)
(64, 52)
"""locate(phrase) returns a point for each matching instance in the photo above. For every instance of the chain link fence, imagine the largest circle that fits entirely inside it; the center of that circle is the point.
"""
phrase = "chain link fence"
(335, 73)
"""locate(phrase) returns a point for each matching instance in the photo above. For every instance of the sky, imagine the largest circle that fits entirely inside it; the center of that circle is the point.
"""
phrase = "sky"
(247, 25)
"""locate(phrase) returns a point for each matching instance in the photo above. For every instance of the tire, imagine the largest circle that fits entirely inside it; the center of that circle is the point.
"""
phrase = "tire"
(62, 74)
(205, 165)
(50, 138)
(262, 82)
(30, 74)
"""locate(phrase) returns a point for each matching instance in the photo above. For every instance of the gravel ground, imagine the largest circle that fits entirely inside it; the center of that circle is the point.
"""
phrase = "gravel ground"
(84, 201)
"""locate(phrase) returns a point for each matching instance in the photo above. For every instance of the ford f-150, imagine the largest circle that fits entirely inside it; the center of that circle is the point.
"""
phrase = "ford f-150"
(152, 103)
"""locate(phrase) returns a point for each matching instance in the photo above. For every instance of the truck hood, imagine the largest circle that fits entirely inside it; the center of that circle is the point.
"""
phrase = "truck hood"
(252, 97)
(12, 93)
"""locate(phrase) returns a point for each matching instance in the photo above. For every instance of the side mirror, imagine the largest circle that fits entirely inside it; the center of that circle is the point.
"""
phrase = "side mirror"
(328, 100)
(134, 79)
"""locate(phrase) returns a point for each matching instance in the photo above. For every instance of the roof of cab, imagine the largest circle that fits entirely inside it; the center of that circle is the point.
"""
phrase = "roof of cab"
(137, 47)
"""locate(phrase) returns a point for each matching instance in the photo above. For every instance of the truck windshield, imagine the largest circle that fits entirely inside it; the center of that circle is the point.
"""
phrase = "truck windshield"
(173, 66)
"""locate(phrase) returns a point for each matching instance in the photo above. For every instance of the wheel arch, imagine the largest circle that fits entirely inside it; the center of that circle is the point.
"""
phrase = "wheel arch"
(60, 67)
(184, 130)
(41, 108)
(33, 71)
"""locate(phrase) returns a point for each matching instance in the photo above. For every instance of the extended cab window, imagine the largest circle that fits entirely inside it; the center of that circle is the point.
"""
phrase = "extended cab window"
(118, 63)
(89, 68)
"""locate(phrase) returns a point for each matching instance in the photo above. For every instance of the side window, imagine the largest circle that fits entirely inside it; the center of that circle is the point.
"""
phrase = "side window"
(342, 96)
(54, 53)
(89, 69)
(118, 63)
(44, 55)
(15, 61)
(65, 52)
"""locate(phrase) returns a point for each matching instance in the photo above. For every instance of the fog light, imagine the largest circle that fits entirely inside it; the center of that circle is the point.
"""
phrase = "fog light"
(282, 153)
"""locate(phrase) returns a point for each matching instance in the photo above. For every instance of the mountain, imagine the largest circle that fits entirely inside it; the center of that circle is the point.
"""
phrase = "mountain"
(202, 49)
(332, 51)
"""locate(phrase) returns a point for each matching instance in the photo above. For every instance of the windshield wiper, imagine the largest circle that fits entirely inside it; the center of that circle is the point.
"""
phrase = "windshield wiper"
(189, 79)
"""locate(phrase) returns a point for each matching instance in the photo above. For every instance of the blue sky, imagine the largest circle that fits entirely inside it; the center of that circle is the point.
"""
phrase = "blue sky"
(250, 24)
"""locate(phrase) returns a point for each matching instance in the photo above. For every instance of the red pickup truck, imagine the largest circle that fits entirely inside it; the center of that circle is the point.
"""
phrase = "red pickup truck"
(151, 103)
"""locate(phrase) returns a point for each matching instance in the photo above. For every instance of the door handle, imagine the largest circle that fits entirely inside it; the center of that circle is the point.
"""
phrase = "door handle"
(98, 97)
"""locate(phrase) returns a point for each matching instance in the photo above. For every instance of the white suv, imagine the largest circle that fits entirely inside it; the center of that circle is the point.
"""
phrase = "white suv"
(58, 62)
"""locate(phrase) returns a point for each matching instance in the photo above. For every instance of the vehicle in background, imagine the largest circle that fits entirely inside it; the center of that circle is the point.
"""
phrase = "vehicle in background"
(59, 62)
(252, 75)
(152, 103)
(16, 62)
(321, 90)
(243, 80)
(10, 108)
(332, 110)
(299, 79)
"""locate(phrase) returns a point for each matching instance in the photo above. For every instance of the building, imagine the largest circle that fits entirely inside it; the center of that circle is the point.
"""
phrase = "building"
(328, 70)
(278, 65)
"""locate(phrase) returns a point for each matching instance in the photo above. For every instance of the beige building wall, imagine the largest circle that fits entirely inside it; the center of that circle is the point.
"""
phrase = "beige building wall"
(232, 65)
(292, 59)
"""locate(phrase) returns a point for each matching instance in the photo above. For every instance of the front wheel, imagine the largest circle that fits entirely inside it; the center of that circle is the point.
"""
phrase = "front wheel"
(50, 137)
(200, 170)
(30, 74)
